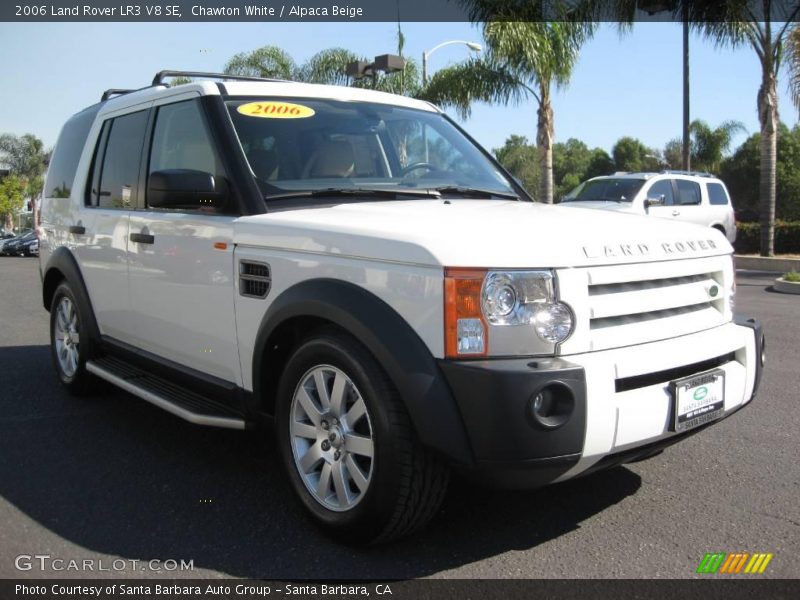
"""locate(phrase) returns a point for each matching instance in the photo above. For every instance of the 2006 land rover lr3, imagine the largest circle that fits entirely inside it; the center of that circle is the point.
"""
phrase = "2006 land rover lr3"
(352, 268)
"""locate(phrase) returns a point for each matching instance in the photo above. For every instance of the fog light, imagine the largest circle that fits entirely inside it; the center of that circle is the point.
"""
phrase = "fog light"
(552, 406)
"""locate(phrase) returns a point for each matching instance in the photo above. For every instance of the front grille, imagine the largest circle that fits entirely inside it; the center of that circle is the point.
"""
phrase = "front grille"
(645, 302)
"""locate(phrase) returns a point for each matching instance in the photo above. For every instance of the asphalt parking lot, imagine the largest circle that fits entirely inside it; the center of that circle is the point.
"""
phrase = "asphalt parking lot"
(113, 478)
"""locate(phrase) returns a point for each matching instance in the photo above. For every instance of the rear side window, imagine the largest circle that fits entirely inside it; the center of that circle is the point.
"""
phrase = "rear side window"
(118, 177)
(717, 194)
(688, 192)
(69, 147)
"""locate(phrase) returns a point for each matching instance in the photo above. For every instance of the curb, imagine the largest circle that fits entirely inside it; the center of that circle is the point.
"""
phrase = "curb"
(786, 287)
(767, 263)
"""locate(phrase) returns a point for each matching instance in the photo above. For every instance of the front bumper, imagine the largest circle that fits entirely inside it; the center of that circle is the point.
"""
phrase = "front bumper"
(622, 403)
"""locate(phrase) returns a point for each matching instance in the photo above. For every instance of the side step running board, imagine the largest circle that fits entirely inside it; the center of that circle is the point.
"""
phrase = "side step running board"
(173, 398)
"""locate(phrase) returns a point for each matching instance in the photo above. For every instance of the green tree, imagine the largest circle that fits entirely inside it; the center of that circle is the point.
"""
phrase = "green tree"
(26, 158)
(521, 60)
(325, 67)
(740, 173)
(12, 197)
(673, 153)
(630, 154)
(521, 159)
(709, 145)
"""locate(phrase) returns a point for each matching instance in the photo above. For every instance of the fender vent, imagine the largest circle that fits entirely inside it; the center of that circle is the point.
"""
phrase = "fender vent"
(254, 279)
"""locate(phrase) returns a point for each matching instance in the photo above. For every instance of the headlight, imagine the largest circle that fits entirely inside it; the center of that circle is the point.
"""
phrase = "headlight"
(526, 298)
(477, 301)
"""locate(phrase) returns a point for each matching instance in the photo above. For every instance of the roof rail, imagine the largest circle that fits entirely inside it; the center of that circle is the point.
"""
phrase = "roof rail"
(114, 92)
(162, 75)
(681, 172)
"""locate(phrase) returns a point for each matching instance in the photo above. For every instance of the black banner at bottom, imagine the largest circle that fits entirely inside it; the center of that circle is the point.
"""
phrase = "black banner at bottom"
(729, 588)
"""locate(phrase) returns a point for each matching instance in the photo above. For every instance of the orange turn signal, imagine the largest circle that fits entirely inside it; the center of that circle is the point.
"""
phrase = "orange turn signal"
(462, 301)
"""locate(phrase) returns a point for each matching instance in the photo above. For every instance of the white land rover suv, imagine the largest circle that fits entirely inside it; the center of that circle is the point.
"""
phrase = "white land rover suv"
(685, 196)
(352, 269)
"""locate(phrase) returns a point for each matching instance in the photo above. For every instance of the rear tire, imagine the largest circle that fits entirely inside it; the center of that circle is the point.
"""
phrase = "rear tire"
(70, 344)
(348, 445)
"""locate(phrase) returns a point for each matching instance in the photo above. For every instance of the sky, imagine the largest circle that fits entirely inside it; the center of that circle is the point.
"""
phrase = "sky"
(622, 85)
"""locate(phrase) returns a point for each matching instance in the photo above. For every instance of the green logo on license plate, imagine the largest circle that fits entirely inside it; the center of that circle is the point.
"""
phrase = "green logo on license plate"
(700, 393)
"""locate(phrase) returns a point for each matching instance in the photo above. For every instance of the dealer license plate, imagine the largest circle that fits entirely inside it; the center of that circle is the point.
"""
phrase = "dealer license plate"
(697, 400)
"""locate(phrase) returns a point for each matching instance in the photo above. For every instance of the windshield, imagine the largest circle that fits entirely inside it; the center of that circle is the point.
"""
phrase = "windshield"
(301, 145)
(609, 190)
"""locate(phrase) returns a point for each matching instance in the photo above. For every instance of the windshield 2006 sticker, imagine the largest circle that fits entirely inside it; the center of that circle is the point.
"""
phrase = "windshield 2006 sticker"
(276, 110)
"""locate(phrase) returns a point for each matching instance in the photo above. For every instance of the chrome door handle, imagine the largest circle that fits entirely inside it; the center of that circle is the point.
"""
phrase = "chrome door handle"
(675, 213)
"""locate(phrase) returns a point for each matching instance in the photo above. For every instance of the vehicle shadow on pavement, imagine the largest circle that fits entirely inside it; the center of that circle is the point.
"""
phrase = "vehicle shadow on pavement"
(115, 476)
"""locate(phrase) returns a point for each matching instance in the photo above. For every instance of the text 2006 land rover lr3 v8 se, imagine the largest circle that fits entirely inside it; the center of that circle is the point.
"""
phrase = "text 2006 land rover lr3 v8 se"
(351, 267)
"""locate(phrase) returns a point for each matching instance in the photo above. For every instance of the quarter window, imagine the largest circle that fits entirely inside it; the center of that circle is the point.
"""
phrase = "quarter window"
(688, 192)
(717, 194)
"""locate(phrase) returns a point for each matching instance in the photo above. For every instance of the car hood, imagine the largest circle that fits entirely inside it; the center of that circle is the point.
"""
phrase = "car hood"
(601, 204)
(478, 233)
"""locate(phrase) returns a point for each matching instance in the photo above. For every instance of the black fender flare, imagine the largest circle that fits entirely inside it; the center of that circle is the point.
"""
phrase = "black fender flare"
(64, 262)
(394, 344)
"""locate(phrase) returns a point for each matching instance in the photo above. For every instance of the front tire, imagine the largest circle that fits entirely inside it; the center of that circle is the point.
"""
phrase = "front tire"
(348, 445)
(70, 345)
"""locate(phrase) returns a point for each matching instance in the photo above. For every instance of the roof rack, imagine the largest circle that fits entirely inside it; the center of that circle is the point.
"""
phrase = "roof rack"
(162, 75)
(680, 172)
(114, 92)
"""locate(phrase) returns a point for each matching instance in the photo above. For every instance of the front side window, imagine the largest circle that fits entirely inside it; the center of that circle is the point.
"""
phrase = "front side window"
(662, 190)
(315, 145)
(606, 190)
(118, 177)
(688, 192)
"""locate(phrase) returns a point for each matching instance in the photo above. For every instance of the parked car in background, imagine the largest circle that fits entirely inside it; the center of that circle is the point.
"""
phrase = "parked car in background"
(31, 247)
(699, 198)
(15, 246)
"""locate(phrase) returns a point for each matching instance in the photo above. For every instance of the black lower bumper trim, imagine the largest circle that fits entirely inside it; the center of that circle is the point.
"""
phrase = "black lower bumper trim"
(521, 474)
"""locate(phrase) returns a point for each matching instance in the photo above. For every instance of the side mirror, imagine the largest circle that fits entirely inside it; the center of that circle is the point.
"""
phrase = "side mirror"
(186, 188)
(654, 202)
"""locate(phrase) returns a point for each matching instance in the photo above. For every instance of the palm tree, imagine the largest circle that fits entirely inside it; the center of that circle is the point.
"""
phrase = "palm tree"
(765, 26)
(522, 59)
(709, 145)
(326, 66)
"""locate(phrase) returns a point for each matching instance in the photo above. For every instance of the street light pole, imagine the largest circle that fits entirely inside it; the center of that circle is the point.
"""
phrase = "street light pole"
(686, 139)
(471, 45)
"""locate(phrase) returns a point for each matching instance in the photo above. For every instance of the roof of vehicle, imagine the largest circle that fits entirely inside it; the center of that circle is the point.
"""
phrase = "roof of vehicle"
(650, 174)
(120, 99)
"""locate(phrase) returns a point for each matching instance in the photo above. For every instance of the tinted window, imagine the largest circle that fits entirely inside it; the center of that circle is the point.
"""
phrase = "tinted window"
(688, 191)
(181, 140)
(68, 151)
(717, 194)
(315, 144)
(662, 189)
(119, 177)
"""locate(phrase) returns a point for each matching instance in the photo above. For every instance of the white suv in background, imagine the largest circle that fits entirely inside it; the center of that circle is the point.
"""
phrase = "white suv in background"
(697, 198)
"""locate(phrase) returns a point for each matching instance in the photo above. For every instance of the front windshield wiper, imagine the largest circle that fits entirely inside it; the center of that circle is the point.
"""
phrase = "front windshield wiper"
(472, 192)
(388, 193)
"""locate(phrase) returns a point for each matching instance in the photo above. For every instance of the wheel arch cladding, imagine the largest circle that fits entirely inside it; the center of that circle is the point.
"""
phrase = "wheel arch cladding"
(386, 335)
(62, 266)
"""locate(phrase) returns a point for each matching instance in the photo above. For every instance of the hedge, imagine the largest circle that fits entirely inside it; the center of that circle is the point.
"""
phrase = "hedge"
(787, 238)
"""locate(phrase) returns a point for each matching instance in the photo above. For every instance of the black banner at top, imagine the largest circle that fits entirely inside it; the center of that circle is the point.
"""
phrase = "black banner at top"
(394, 10)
